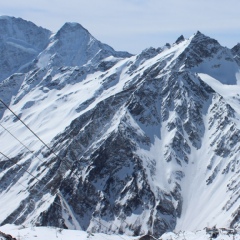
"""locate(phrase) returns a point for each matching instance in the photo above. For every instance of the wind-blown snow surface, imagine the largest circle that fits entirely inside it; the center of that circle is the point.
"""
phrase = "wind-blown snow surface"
(43, 233)
(139, 144)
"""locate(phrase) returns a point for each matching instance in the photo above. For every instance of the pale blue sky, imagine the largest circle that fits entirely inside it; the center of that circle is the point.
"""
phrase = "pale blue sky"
(134, 25)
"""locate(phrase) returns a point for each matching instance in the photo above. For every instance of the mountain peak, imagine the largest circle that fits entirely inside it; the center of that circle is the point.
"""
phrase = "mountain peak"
(199, 34)
(73, 26)
(20, 43)
(9, 18)
(73, 45)
(236, 47)
(200, 38)
(180, 39)
(5, 17)
(206, 55)
(13, 22)
(236, 53)
(70, 28)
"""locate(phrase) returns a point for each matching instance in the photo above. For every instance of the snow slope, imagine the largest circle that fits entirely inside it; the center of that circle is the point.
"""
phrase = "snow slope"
(43, 233)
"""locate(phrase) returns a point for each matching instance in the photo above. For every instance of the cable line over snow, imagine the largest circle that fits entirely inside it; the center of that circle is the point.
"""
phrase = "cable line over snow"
(63, 161)
(30, 151)
(28, 128)
(20, 166)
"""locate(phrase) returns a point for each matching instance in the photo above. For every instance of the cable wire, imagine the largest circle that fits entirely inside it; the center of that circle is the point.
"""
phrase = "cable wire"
(30, 151)
(21, 167)
(28, 128)
(63, 161)
(34, 178)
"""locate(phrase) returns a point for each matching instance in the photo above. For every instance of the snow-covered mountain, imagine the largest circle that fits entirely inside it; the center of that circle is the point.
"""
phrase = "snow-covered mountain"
(20, 43)
(133, 145)
(73, 45)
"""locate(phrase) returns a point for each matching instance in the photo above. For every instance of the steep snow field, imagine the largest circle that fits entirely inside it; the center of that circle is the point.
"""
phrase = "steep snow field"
(44, 233)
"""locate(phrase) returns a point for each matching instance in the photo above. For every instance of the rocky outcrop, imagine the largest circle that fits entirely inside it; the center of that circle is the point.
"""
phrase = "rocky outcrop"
(5, 236)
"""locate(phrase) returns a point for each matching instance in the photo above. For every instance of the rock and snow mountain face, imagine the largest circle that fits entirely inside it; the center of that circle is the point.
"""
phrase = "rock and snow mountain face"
(73, 45)
(20, 43)
(136, 144)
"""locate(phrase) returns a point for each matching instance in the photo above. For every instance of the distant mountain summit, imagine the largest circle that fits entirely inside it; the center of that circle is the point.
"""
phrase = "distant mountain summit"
(20, 43)
(73, 45)
(135, 144)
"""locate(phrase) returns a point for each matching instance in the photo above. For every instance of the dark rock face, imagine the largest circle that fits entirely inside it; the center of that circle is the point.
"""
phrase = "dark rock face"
(180, 39)
(236, 53)
(147, 237)
(236, 219)
(6, 236)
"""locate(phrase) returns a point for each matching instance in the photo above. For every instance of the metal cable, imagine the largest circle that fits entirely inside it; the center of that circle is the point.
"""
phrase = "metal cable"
(37, 157)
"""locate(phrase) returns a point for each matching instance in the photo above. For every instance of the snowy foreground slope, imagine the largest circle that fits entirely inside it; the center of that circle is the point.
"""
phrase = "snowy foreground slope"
(43, 233)
(135, 145)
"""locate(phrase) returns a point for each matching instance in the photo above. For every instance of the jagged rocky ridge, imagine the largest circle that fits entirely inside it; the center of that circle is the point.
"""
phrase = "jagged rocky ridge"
(145, 144)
